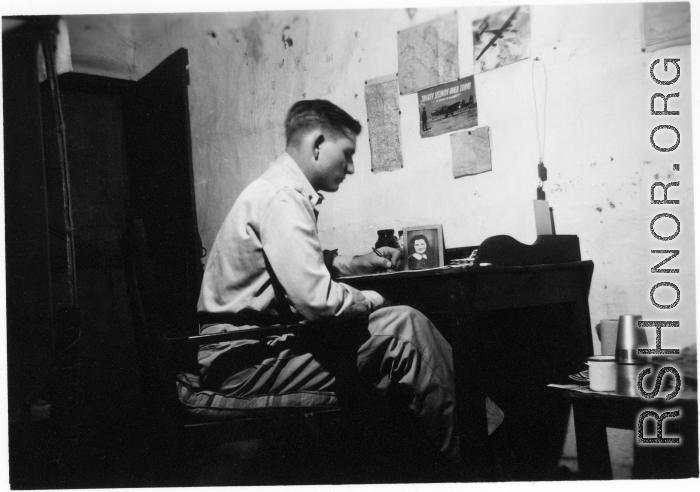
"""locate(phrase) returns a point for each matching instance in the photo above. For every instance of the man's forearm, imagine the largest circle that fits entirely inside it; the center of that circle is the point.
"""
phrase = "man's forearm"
(340, 265)
(379, 260)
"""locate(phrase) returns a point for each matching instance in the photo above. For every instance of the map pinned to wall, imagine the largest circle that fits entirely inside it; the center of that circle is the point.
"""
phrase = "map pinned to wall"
(501, 38)
(471, 152)
(383, 123)
(428, 54)
(666, 24)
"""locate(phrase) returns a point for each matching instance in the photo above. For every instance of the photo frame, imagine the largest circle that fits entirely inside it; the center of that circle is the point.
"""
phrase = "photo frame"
(429, 251)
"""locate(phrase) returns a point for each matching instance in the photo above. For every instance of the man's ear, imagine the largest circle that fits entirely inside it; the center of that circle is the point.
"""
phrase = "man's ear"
(317, 145)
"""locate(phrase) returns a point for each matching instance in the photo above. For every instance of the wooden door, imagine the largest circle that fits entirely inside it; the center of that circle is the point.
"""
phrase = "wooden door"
(159, 154)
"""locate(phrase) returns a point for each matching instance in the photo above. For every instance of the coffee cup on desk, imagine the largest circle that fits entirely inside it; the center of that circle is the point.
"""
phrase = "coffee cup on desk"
(607, 334)
(602, 372)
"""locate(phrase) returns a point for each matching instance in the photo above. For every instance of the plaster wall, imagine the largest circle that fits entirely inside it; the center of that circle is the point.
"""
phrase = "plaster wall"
(102, 45)
(246, 69)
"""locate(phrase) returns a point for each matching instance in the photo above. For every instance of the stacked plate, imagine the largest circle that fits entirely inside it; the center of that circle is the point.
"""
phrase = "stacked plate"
(580, 377)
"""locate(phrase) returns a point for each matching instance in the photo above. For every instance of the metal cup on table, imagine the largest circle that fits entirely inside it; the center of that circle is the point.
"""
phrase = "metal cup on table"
(629, 362)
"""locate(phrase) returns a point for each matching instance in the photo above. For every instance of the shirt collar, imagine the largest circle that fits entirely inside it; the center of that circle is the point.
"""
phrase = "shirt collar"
(419, 256)
(301, 183)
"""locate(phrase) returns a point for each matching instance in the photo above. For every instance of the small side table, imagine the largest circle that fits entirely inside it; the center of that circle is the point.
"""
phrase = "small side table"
(594, 412)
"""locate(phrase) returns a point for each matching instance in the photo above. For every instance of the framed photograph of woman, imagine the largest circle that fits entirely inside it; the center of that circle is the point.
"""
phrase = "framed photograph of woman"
(423, 247)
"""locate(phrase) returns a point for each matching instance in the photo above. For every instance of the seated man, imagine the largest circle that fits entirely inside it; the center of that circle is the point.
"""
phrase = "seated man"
(267, 266)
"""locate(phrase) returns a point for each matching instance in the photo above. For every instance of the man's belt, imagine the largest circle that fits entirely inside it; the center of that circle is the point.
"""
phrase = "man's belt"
(243, 318)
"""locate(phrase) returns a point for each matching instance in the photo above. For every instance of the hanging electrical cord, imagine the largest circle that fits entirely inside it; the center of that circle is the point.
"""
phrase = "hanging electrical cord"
(541, 137)
(48, 45)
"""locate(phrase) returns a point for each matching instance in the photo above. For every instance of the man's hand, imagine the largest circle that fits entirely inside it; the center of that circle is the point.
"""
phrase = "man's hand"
(389, 260)
(375, 300)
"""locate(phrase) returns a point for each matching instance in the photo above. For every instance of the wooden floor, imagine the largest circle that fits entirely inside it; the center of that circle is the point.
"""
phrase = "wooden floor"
(131, 461)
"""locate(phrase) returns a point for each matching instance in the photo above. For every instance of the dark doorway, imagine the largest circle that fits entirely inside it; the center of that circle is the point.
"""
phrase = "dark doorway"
(129, 154)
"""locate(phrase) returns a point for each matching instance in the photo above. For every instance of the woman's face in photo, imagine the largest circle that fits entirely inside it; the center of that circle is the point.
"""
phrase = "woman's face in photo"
(420, 246)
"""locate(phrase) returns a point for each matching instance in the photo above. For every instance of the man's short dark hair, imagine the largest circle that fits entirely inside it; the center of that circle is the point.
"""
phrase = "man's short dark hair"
(307, 114)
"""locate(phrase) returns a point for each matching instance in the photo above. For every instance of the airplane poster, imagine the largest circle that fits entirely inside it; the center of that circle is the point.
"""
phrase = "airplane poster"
(501, 38)
(447, 107)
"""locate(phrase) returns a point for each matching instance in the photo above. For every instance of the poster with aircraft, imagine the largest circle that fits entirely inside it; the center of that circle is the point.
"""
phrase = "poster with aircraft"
(447, 107)
(501, 38)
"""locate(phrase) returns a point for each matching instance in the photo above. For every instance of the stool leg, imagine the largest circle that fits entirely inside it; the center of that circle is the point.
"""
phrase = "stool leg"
(591, 443)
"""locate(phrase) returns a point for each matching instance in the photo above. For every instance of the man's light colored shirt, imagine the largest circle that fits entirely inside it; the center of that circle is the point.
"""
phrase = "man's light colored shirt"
(272, 227)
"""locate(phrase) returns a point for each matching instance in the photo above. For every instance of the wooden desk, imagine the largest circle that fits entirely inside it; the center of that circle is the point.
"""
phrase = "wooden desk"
(593, 413)
(531, 320)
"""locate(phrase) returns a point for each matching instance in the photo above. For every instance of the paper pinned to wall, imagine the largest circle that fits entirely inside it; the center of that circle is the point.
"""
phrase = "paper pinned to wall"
(383, 117)
(666, 24)
(501, 38)
(448, 108)
(428, 54)
(471, 152)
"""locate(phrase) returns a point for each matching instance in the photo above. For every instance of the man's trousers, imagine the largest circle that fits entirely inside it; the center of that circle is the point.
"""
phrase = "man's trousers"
(399, 349)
